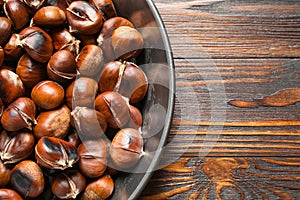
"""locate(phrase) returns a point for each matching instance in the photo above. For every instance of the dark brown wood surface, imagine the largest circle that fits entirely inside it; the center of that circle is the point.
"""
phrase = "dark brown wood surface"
(236, 127)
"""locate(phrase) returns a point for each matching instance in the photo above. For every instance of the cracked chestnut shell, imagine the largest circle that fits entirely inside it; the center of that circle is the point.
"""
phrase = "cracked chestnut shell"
(11, 86)
(9, 194)
(126, 148)
(19, 114)
(83, 18)
(114, 108)
(15, 147)
(27, 179)
(68, 185)
(64, 40)
(55, 153)
(12, 50)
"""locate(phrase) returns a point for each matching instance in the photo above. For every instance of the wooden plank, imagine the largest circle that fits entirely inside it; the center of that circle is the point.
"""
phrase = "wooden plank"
(227, 178)
(232, 29)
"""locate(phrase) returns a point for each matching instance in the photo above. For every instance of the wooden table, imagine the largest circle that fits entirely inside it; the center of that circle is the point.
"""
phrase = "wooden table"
(236, 127)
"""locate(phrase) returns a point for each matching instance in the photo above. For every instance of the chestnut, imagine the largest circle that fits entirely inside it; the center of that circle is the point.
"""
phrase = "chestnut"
(36, 42)
(5, 30)
(27, 178)
(106, 7)
(126, 78)
(17, 12)
(93, 157)
(101, 188)
(12, 50)
(62, 67)
(16, 147)
(34, 4)
(5, 176)
(81, 92)
(136, 118)
(68, 185)
(83, 18)
(64, 40)
(54, 123)
(11, 86)
(90, 60)
(126, 148)
(9, 194)
(114, 108)
(89, 123)
(48, 94)
(49, 16)
(55, 153)
(19, 114)
(30, 71)
(126, 42)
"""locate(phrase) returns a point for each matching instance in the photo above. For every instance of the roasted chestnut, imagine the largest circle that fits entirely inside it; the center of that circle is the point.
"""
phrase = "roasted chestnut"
(36, 42)
(101, 188)
(90, 60)
(62, 67)
(126, 78)
(126, 148)
(5, 30)
(126, 42)
(114, 108)
(89, 123)
(93, 157)
(15, 147)
(68, 185)
(17, 12)
(82, 93)
(30, 71)
(27, 178)
(11, 86)
(55, 153)
(5, 176)
(9, 194)
(19, 114)
(106, 7)
(54, 123)
(83, 18)
(49, 16)
(64, 40)
(48, 94)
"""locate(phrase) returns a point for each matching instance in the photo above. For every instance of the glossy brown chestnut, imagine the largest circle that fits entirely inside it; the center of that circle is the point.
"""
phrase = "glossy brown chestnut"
(15, 147)
(64, 40)
(83, 18)
(54, 123)
(90, 60)
(93, 157)
(5, 30)
(48, 94)
(68, 185)
(88, 122)
(5, 176)
(11, 86)
(55, 153)
(136, 118)
(9, 194)
(126, 148)
(101, 188)
(49, 16)
(36, 42)
(19, 114)
(82, 93)
(1, 56)
(126, 78)
(126, 42)
(27, 179)
(12, 50)
(115, 109)
(106, 7)
(30, 71)
(62, 67)
(17, 12)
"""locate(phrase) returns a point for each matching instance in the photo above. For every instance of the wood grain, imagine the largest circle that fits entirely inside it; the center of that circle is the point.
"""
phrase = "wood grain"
(227, 50)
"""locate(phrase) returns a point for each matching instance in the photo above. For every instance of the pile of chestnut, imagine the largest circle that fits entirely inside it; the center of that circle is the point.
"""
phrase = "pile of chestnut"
(70, 97)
